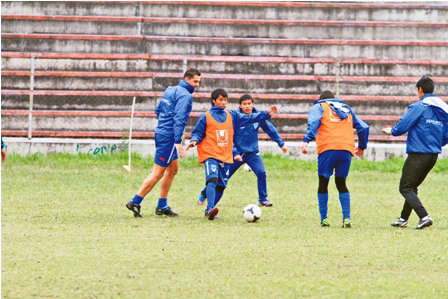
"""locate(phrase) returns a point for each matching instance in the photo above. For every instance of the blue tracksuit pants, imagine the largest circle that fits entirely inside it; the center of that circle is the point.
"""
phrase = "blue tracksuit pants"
(256, 164)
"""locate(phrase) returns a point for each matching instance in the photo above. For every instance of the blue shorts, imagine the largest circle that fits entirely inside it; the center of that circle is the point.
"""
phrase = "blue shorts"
(216, 169)
(165, 150)
(334, 160)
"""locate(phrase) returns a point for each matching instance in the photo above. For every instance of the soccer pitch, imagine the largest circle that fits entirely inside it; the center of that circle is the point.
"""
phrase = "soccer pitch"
(67, 234)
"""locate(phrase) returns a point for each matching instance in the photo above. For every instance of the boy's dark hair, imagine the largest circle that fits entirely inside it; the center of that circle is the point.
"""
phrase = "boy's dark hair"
(246, 97)
(190, 73)
(326, 95)
(218, 92)
(426, 84)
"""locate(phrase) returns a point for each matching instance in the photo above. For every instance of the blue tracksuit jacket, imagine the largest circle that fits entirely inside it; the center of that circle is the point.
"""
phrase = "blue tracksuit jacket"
(219, 114)
(315, 119)
(427, 124)
(173, 110)
(246, 136)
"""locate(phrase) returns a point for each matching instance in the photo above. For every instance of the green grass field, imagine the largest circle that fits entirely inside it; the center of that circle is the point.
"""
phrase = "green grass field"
(67, 234)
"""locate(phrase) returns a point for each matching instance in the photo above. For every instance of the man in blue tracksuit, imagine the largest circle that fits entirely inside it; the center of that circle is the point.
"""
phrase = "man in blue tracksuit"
(172, 112)
(427, 124)
(246, 150)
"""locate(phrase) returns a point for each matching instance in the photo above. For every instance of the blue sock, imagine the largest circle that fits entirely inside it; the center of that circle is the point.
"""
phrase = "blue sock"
(162, 203)
(211, 194)
(137, 200)
(322, 199)
(344, 198)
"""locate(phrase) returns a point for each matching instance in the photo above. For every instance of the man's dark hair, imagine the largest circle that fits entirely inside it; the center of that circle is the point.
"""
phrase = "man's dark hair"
(326, 95)
(246, 97)
(218, 92)
(426, 84)
(190, 73)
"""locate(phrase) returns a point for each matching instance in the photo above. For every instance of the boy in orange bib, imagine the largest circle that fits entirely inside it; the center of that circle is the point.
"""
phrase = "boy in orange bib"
(213, 134)
(331, 123)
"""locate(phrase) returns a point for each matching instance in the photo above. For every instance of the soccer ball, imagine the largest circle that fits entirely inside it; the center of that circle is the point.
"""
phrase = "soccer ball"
(252, 213)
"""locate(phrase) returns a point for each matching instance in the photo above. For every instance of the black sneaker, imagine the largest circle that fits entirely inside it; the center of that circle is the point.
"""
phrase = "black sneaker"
(400, 223)
(424, 222)
(166, 211)
(134, 208)
(211, 215)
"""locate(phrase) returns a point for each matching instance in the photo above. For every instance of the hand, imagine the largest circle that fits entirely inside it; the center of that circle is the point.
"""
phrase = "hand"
(272, 110)
(238, 158)
(3, 155)
(387, 130)
(284, 149)
(304, 148)
(190, 145)
(359, 152)
(180, 150)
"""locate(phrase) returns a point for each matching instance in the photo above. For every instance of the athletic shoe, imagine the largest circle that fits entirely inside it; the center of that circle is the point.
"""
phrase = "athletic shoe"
(424, 222)
(346, 223)
(211, 215)
(325, 223)
(400, 223)
(265, 203)
(134, 208)
(166, 211)
(206, 215)
(201, 199)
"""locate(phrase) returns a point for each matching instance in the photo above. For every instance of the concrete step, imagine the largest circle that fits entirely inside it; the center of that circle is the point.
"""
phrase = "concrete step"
(206, 27)
(123, 103)
(227, 64)
(225, 46)
(415, 12)
(233, 83)
(288, 125)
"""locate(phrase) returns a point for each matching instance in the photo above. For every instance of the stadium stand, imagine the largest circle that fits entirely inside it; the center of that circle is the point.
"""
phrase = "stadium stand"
(91, 57)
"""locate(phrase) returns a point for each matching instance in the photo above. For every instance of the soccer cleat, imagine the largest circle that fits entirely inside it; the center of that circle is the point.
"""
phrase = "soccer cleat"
(346, 223)
(201, 199)
(211, 215)
(400, 223)
(265, 203)
(134, 208)
(424, 222)
(166, 211)
(325, 223)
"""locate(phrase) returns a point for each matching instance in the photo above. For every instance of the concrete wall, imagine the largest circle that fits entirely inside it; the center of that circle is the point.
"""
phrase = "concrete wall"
(145, 148)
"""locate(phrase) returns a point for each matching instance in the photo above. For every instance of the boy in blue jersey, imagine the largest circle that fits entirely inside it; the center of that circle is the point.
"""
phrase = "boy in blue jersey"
(216, 152)
(172, 112)
(331, 123)
(246, 151)
(427, 124)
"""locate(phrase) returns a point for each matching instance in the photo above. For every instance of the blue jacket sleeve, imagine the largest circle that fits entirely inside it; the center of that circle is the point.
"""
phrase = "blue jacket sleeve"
(199, 130)
(272, 131)
(181, 114)
(3, 144)
(408, 120)
(314, 121)
(241, 119)
(363, 131)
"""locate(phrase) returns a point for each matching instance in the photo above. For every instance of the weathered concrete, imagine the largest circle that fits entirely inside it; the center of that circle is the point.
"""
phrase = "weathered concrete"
(232, 48)
(23, 146)
(227, 30)
(111, 8)
(283, 68)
